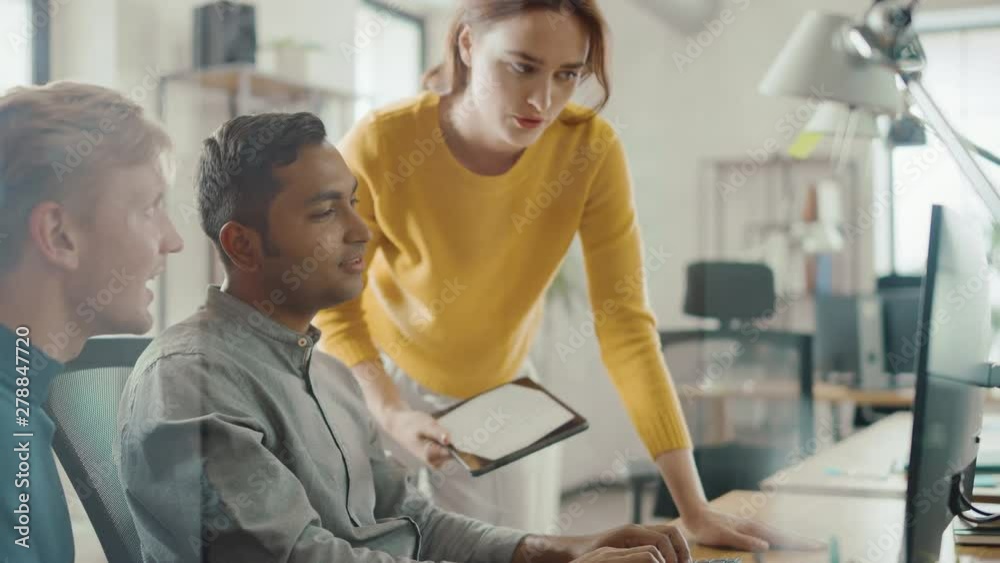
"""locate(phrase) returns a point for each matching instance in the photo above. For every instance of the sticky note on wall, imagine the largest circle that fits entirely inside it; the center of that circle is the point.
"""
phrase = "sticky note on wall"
(804, 145)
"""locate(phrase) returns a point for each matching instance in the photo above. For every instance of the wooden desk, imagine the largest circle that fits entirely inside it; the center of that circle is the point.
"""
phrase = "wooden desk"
(897, 398)
(822, 392)
(867, 529)
(893, 398)
(872, 460)
(765, 390)
(716, 395)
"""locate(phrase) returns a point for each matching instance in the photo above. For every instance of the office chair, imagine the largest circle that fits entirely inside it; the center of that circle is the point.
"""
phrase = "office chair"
(83, 402)
(735, 294)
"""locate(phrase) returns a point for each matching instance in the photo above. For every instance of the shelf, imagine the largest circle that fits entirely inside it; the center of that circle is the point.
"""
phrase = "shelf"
(227, 78)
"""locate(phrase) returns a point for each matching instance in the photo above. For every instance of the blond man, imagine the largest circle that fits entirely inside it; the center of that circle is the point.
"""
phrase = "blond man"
(83, 230)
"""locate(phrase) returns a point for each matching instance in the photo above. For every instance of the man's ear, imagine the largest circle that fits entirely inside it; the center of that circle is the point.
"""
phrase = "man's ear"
(242, 245)
(55, 235)
(465, 45)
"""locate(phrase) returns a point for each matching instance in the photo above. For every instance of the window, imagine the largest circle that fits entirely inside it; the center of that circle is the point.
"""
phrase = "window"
(962, 79)
(390, 55)
(16, 50)
(24, 36)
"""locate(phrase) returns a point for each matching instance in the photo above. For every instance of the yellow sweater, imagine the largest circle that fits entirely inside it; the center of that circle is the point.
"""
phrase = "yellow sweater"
(459, 263)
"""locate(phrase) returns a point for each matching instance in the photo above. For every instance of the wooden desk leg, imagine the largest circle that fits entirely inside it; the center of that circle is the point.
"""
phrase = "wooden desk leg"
(836, 421)
(720, 421)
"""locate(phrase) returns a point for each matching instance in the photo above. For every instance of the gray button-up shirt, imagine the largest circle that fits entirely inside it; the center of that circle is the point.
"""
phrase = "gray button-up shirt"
(240, 443)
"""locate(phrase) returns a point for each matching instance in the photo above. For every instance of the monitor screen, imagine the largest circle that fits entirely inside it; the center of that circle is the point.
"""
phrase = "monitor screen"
(953, 337)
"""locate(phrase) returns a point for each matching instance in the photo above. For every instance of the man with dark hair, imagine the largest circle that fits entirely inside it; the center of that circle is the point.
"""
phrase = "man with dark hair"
(83, 229)
(240, 442)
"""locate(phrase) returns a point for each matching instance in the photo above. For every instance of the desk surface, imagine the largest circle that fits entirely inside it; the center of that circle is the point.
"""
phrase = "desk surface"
(766, 390)
(870, 463)
(822, 392)
(867, 529)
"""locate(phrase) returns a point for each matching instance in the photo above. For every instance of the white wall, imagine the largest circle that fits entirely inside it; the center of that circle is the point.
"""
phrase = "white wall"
(672, 119)
(675, 117)
(125, 44)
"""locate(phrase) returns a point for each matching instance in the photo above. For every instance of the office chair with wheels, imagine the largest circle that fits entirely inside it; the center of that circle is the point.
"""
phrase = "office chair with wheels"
(736, 294)
(83, 402)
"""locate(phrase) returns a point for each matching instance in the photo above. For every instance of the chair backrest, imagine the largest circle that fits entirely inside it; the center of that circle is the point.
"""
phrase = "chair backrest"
(83, 402)
(729, 290)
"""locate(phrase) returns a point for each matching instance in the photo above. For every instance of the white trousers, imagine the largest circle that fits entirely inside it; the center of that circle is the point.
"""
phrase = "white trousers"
(523, 495)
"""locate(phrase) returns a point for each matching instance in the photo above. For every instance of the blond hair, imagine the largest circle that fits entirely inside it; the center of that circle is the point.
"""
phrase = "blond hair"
(57, 139)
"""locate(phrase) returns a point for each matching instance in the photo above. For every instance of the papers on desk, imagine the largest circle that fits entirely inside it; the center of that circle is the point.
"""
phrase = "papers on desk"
(988, 460)
(506, 423)
(978, 534)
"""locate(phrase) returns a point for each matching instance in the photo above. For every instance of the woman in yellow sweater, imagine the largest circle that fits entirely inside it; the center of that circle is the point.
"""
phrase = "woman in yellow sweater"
(473, 192)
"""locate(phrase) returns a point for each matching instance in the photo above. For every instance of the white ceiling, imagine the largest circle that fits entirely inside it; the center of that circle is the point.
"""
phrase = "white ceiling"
(684, 15)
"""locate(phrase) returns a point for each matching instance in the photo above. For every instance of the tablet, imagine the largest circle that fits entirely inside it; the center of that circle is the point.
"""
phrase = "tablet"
(506, 423)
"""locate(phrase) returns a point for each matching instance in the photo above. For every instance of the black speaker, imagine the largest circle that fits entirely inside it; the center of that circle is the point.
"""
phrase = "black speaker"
(224, 33)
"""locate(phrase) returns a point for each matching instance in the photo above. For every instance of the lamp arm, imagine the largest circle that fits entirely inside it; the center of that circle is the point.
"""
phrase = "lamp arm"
(981, 151)
(969, 145)
(955, 144)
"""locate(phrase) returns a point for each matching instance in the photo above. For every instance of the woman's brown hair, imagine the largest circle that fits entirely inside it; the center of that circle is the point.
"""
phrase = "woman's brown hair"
(453, 76)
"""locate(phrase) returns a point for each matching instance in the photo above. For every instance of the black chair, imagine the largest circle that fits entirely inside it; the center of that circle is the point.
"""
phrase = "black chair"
(736, 294)
(83, 402)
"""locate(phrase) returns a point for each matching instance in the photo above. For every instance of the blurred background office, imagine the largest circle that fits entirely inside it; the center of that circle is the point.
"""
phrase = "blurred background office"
(815, 219)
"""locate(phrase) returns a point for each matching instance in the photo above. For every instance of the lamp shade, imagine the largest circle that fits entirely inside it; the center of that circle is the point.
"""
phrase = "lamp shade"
(831, 118)
(816, 63)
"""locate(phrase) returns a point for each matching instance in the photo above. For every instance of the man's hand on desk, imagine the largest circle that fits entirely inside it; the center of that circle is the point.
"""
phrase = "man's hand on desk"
(645, 554)
(712, 528)
(627, 544)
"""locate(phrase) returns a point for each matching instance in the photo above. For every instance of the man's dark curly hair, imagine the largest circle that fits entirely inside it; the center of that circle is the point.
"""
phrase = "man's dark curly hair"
(235, 173)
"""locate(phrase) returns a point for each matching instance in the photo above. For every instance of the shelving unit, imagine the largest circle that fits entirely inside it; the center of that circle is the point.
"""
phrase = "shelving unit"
(243, 82)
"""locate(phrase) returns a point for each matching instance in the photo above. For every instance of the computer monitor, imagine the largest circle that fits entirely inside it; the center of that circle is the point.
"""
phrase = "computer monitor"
(870, 336)
(849, 337)
(900, 315)
(953, 350)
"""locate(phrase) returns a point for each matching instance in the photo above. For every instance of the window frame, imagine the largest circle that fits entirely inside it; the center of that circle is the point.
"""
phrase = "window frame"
(41, 42)
(927, 22)
(420, 22)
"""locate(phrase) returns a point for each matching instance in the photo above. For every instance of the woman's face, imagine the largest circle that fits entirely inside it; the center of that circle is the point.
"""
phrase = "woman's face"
(523, 71)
